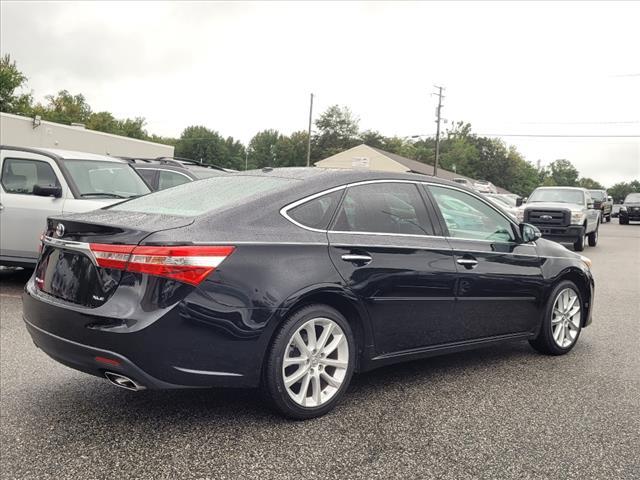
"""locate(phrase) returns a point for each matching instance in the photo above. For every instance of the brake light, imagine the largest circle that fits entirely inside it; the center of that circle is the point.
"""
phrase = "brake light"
(188, 264)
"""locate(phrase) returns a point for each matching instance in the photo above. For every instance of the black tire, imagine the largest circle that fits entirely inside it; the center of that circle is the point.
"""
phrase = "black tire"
(273, 382)
(578, 245)
(609, 218)
(593, 238)
(544, 342)
(621, 221)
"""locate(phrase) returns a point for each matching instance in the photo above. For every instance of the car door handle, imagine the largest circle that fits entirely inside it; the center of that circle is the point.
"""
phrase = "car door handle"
(356, 258)
(468, 263)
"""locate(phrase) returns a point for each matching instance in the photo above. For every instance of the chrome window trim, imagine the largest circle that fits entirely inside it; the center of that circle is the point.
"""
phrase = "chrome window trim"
(284, 210)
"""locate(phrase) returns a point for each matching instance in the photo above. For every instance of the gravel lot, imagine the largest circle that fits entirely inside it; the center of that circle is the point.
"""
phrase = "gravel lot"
(503, 412)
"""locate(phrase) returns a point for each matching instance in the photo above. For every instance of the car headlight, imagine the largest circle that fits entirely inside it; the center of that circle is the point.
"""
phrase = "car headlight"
(519, 214)
(586, 261)
(577, 217)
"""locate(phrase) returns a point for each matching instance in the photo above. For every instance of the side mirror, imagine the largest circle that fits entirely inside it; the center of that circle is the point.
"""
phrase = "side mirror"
(519, 201)
(590, 205)
(47, 190)
(609, 199)
(524, 200)
(529, 233)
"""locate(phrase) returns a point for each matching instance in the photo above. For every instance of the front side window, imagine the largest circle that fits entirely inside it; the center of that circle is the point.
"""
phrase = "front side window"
(21, 175)
(170, 179)
(394, 208)
(468, 217)
(96, 178)
(316, 213)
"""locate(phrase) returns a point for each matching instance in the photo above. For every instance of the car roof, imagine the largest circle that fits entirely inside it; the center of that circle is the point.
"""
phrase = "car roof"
(66, 154)
(562, 187)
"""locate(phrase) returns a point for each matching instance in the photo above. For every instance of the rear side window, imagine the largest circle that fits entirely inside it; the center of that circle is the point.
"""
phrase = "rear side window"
(170, 179)
(196, 198)
(394, 208)
(316, 213)
(21, 175)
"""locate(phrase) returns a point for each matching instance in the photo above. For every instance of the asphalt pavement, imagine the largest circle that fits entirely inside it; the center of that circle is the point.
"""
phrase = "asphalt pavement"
(500, 412)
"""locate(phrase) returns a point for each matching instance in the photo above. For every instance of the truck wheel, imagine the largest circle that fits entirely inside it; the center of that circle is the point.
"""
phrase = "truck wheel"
(593, 238)
(578, 245)
(623, 222)
(608, 218)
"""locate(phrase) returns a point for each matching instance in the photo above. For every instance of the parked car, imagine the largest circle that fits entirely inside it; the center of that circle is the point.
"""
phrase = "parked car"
(602, 202)
(161, 173)
(483, 186)
(630, 209)
(294, 279)
(505, 203)
(40, 182)
(615, 210)
(563, 214)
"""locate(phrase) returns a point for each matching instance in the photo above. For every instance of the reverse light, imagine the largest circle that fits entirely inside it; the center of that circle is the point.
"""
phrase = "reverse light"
(188, 264)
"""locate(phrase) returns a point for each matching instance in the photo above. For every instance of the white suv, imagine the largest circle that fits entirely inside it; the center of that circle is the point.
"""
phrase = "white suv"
(39, 182)
(483, 186)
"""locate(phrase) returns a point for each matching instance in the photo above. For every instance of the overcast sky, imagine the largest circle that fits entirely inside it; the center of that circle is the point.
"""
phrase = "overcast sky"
(239, 68)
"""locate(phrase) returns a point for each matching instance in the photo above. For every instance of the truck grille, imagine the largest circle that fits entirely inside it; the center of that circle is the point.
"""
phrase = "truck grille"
(548, 217)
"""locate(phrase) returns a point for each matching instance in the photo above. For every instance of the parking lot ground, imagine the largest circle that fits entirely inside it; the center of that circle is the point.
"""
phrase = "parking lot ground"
(502, 412)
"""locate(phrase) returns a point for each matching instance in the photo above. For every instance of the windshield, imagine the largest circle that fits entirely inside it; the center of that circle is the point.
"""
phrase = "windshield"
(632, 197)
(559, 195)
(195, 198)
(597, 194)
(95, 178)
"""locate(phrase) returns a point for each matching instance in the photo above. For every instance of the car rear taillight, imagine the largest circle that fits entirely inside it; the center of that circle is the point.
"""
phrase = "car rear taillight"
(188, 264)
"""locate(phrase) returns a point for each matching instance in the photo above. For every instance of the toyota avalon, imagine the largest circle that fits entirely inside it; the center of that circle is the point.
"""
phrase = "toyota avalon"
(292, 280)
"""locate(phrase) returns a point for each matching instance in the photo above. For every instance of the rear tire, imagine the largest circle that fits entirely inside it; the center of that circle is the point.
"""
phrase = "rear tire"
(578, 245)
(561, 324)
(623, 222)
(593, 238)
(318, 369)
(609, 218)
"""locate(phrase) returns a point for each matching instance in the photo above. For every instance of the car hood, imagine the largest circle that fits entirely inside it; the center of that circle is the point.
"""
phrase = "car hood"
(554, 205)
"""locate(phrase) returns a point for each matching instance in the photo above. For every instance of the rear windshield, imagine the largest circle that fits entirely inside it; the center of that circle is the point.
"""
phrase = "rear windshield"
(196, 198)
(596, 194)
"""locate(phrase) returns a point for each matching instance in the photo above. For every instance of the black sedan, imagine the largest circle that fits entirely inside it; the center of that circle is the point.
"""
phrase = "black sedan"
(292, 280)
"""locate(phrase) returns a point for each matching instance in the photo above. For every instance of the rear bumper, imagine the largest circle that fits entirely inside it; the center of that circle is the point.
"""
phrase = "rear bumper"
(83, 357)
(162, 349)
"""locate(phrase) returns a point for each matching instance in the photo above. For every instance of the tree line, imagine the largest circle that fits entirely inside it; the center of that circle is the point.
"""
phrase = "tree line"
(336, 129)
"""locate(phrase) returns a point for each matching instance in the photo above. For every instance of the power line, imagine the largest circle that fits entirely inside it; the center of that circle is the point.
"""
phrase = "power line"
(438, 111)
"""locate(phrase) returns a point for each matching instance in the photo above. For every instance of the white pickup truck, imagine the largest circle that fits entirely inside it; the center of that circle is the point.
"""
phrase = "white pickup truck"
(39, 182)
(563, 214)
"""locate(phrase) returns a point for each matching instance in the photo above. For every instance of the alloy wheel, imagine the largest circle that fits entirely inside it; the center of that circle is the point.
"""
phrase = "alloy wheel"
(315, 362)
(566, 317)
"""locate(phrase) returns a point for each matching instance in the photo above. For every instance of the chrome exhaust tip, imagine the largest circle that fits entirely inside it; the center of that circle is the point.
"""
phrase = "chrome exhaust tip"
(123, 382)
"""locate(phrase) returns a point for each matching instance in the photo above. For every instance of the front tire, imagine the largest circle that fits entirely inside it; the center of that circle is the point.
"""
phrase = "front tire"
(609, 218)
(623, 221)
(562, 322)
(310, 363)
(593, 238)
(578, 245)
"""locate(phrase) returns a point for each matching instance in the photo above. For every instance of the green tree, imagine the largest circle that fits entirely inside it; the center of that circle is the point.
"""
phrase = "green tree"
(65, 108)
(203, 145)
(620, 190)
(337, 131)
(11, 80)
(292, 150)
(590, 183)
(563, 173)
(263, 149)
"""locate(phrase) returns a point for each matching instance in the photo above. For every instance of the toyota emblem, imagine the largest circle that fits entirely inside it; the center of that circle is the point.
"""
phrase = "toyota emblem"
(59, 230)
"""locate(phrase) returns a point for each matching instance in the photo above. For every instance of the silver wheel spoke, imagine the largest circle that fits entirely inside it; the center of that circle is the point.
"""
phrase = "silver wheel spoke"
(295, 377)
(573, 312)
(305, 384)
(299, 343)
(330, 362)
(575, 322)
(330, 380)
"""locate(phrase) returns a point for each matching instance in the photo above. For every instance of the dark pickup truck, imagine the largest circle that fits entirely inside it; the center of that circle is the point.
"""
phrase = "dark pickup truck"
(602, 202)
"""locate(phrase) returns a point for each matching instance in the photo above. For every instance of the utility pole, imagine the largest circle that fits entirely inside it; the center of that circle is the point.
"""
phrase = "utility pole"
(438, 110)
(309, 137)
